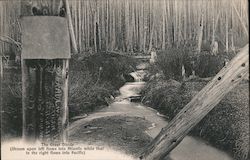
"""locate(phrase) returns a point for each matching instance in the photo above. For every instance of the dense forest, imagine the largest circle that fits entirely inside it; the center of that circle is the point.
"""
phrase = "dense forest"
(140, 25)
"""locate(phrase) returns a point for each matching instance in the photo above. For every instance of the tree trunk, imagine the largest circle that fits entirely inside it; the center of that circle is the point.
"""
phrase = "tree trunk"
(95, 33)
(241, 21)
(200, 34)
(163, 26)
(79, 26)
(71, 29)
(227, 33)
(152, 30)
(198, 107)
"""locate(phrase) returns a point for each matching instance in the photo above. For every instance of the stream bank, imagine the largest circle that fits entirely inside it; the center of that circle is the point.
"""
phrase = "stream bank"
(224, 127)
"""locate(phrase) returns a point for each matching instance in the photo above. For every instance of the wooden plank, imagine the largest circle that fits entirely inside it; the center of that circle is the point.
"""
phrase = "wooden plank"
(198, 107)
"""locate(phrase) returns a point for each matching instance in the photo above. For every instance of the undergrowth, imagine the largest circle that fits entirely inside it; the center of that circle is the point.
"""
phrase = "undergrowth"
(204, 64)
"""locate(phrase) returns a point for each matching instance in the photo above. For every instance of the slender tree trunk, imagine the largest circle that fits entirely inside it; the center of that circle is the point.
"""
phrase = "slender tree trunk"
(71, 30)
(163, 25)
(79, 27)
(200, 34)
(227, 33)
(94, 31)
(98, 30)
(152, 29)
(242, 22)
(145, 28)
(113, 43)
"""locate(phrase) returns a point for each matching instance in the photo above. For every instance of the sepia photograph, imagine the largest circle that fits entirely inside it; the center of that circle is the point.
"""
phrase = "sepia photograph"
(124, 79)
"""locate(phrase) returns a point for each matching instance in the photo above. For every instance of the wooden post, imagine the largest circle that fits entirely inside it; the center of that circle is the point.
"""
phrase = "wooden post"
(45, 62)
(199, 107)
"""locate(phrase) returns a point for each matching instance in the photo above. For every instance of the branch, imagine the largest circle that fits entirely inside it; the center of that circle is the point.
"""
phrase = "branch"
(9, 40)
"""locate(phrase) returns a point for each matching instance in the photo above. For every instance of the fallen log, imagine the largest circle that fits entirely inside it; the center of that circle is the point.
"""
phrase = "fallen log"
(198, 107)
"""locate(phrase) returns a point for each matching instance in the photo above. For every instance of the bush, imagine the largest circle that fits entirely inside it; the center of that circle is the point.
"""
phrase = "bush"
(85, 93)
(162, 95)
(204, 64)
(170, 62)
(106, 67)
(208, 65)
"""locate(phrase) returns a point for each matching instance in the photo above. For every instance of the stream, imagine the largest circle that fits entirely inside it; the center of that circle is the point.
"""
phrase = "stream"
(191, 148)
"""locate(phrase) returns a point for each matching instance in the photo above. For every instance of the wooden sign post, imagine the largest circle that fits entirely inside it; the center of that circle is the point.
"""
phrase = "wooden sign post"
(45, 61)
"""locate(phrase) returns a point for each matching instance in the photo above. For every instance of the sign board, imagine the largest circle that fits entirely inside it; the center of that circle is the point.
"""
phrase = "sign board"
(45, 37)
